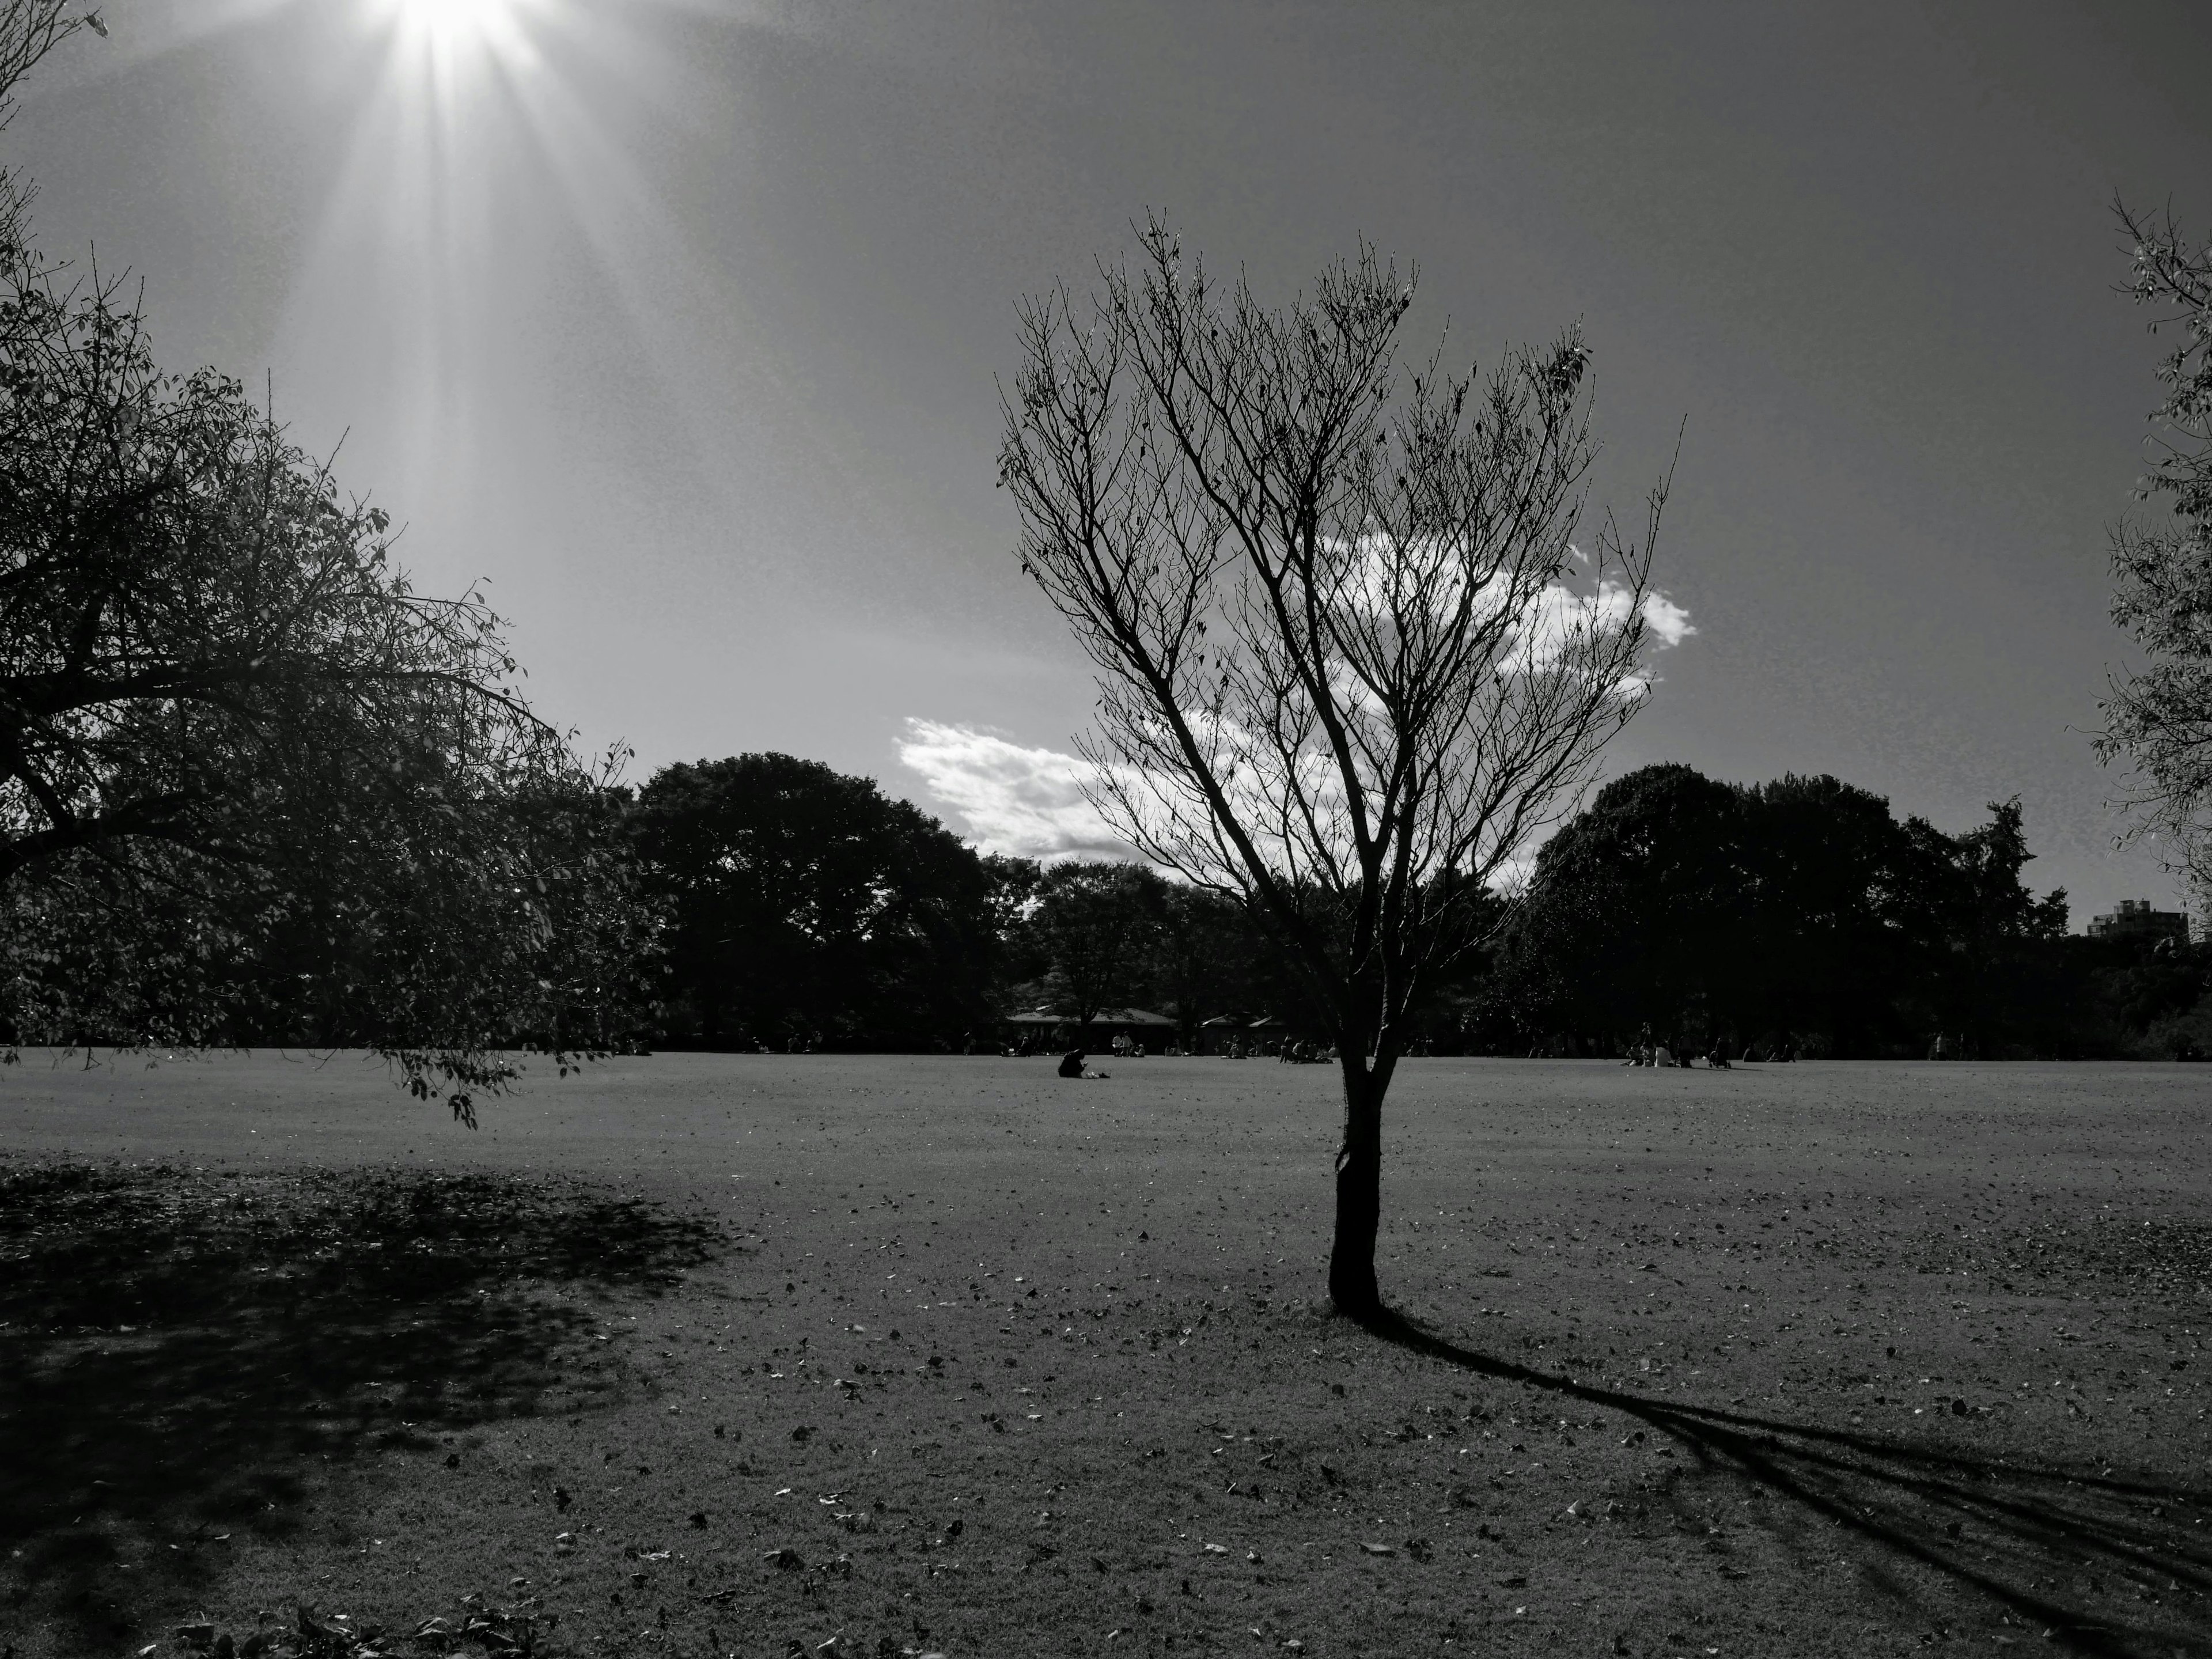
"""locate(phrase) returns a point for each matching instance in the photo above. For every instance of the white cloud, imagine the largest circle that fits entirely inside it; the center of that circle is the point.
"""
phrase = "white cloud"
(1023, 801)
(1667, 622)
(1029, 802)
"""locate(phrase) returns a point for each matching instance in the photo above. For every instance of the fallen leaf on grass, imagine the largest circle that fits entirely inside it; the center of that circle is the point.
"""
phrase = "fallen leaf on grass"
(1380, 1549)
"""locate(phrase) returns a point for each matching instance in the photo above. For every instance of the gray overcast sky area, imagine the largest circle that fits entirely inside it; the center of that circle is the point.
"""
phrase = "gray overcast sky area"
(678, 322)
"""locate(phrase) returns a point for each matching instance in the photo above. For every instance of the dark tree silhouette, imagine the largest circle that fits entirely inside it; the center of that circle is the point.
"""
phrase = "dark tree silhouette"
(1635, 913)
(1096, 927)
(1207, 961)
(806, 906)
(1798, 911)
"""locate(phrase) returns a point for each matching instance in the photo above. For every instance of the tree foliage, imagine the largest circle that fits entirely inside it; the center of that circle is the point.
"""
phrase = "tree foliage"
(1349, 656)
(804, 907)
(1098, 928)
(253, 785)
(2159, 717)
(1797, 914)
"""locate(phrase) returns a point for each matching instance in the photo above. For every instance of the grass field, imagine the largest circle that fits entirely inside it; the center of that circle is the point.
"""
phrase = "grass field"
(700, 1355)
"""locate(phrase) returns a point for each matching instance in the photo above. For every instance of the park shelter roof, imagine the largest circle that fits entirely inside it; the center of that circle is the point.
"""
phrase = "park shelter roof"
(1104, 1016)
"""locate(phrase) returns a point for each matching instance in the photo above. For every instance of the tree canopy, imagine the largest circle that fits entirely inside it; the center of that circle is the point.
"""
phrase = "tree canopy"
(1798, 913)
(253, 785)
(2159, 715)
(806, 907)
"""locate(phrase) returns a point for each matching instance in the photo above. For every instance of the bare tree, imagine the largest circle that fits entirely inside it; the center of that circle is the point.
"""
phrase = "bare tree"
(2158, 718)
(30, 29)
(1350, 657)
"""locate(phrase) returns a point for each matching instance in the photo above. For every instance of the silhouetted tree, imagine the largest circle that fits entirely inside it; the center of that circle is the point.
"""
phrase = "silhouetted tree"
(1342, 675)
(1844, 905)
(1094, 929)
(807, 906)
(1800, 910)
(1998, 986)
(1636, 916)
(1206, 960)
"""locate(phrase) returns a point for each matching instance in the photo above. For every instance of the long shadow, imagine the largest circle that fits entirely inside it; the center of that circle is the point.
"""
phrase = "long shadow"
(2028, 1522)
(178, 1351)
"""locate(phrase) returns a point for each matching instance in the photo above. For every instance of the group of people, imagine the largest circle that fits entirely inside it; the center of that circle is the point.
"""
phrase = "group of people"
(1648, 1053)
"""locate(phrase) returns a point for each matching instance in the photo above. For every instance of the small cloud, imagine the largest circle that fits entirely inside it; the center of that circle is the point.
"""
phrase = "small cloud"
(1511, 877)
(1667, 622)
(1028, 802)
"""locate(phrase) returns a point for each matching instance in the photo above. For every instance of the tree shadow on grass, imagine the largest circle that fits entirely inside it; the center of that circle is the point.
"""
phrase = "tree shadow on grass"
(179, 1350)
(2039, 1540)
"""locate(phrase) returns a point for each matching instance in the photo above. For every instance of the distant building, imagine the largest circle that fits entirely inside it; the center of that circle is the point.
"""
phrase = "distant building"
(2135, 919)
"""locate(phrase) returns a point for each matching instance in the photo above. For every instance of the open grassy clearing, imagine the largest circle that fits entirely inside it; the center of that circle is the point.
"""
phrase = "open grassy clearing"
(1800, 1360)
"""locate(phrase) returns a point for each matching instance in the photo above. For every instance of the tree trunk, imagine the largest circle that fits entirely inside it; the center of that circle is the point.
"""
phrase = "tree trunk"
(1359, 1193)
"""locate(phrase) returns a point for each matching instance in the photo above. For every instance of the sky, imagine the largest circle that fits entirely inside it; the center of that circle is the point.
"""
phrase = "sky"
(678, 323)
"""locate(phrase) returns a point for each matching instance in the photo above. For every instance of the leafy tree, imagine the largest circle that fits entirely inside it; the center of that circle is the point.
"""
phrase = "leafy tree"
(1801, 908)
(1344, 673)
(1997, 988)
(1843, 903)
(1636, 913)
(1015, 883)
(1096, 928)
(806, 907)
(232, 733)
(1207, 959)
(2159, 718)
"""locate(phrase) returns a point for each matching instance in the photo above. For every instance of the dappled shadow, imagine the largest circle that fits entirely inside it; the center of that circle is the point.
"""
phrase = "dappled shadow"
(2040, 1540)
(178, 1349)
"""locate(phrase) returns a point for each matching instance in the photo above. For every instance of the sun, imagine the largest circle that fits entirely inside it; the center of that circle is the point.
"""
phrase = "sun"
(456, 25)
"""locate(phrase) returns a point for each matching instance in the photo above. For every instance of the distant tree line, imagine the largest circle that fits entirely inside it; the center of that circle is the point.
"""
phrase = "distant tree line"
(806, 909)
(1803, 916)
(766, 901)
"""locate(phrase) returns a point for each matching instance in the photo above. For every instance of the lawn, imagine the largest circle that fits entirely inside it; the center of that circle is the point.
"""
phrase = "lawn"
(696, 1355)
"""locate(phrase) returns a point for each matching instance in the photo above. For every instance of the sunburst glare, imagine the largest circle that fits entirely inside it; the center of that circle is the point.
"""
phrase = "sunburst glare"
(491, 163)
(448, 26)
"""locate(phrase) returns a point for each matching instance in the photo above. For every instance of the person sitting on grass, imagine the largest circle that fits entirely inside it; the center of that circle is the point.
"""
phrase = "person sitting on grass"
(1071, 1065)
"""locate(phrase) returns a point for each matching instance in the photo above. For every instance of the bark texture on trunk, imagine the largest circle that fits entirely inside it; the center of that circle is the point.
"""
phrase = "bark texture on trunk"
(1351, 1284)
